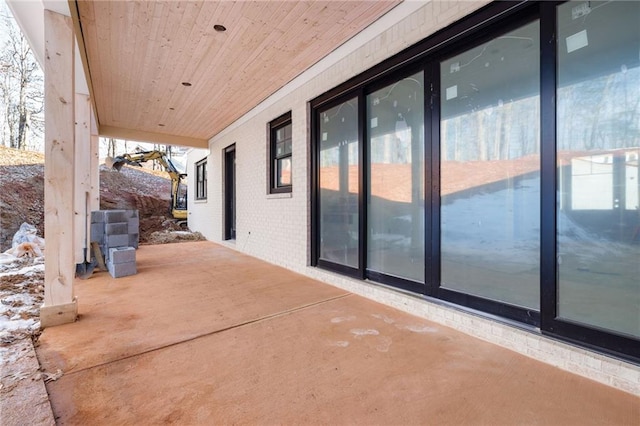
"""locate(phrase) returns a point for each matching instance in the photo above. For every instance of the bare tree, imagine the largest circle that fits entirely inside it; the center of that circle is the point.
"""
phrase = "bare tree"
(111, 147)
(21, 91)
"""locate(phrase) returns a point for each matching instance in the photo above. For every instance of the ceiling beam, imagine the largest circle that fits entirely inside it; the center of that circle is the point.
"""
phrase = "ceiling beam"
(82, 54)
(143, 136)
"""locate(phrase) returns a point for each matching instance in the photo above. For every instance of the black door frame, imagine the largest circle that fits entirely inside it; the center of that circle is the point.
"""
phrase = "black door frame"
(229, 164)
(491, 19)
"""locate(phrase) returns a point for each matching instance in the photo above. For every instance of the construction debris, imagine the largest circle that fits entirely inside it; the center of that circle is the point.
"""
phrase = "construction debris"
(165, 237)
(25, 243)
(27, 233)
(25, 249)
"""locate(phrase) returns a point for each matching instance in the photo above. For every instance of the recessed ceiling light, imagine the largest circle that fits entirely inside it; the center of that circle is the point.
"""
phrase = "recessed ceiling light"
(186, 84)
(220, 28)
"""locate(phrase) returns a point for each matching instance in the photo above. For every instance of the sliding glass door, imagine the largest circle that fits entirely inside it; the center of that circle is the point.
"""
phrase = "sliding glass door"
(598, 146)
(490, 169)
(338, 180)
(495, 166)
(395, 184)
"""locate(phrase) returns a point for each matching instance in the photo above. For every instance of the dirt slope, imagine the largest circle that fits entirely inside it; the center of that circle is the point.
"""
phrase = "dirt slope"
(22, 196)
(21, 200)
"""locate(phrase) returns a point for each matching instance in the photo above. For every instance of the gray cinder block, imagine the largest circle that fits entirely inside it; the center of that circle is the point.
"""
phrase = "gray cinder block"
(97, 232)
(118, 270)
(134, 240)
(122, 255)
(134, 225)
(116, 240)
(97, 216)
(115, 216)
(116, 228)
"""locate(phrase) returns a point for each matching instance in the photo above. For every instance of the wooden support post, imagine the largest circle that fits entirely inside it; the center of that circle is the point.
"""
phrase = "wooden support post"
(94, 198)
(60, 305)
(82, 169)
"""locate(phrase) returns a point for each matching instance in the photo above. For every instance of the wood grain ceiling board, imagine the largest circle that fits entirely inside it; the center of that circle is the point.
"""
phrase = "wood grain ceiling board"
(140, 52)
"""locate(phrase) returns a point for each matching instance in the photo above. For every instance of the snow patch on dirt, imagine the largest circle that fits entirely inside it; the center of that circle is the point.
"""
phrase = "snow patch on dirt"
(21, 295)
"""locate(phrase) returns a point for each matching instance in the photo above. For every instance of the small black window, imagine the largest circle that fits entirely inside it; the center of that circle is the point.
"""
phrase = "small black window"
(279, 166)
(201, 180)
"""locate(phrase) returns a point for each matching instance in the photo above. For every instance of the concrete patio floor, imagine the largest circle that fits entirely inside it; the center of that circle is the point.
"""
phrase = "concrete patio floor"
(206, 335)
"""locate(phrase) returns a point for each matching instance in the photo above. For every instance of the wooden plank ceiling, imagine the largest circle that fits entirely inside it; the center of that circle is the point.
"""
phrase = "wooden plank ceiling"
(139, 54)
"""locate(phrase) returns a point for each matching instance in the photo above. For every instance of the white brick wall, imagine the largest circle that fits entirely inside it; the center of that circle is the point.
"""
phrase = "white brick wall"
(199, 211)
(276, 228)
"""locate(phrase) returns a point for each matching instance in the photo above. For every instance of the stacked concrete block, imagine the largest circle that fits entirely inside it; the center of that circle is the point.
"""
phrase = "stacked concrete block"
(133, 226)
(117, 233)
(122, 261)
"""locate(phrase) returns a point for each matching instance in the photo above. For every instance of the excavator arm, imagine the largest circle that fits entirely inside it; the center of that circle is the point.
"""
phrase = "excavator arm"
(178, 187)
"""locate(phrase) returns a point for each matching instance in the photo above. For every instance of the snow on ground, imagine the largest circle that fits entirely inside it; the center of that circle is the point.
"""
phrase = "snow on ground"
(21, 295)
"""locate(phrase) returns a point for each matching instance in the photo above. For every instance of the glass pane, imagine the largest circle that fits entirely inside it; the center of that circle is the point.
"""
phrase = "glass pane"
(490, 169)
(598, 143)
(283, 170)
(283, 133)
(339, 170)
(395, 197)
(283, 140)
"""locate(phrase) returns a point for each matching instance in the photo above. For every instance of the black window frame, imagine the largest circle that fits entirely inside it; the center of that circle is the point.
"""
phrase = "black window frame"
(491, 20)
(272, 169)
(201, 180)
